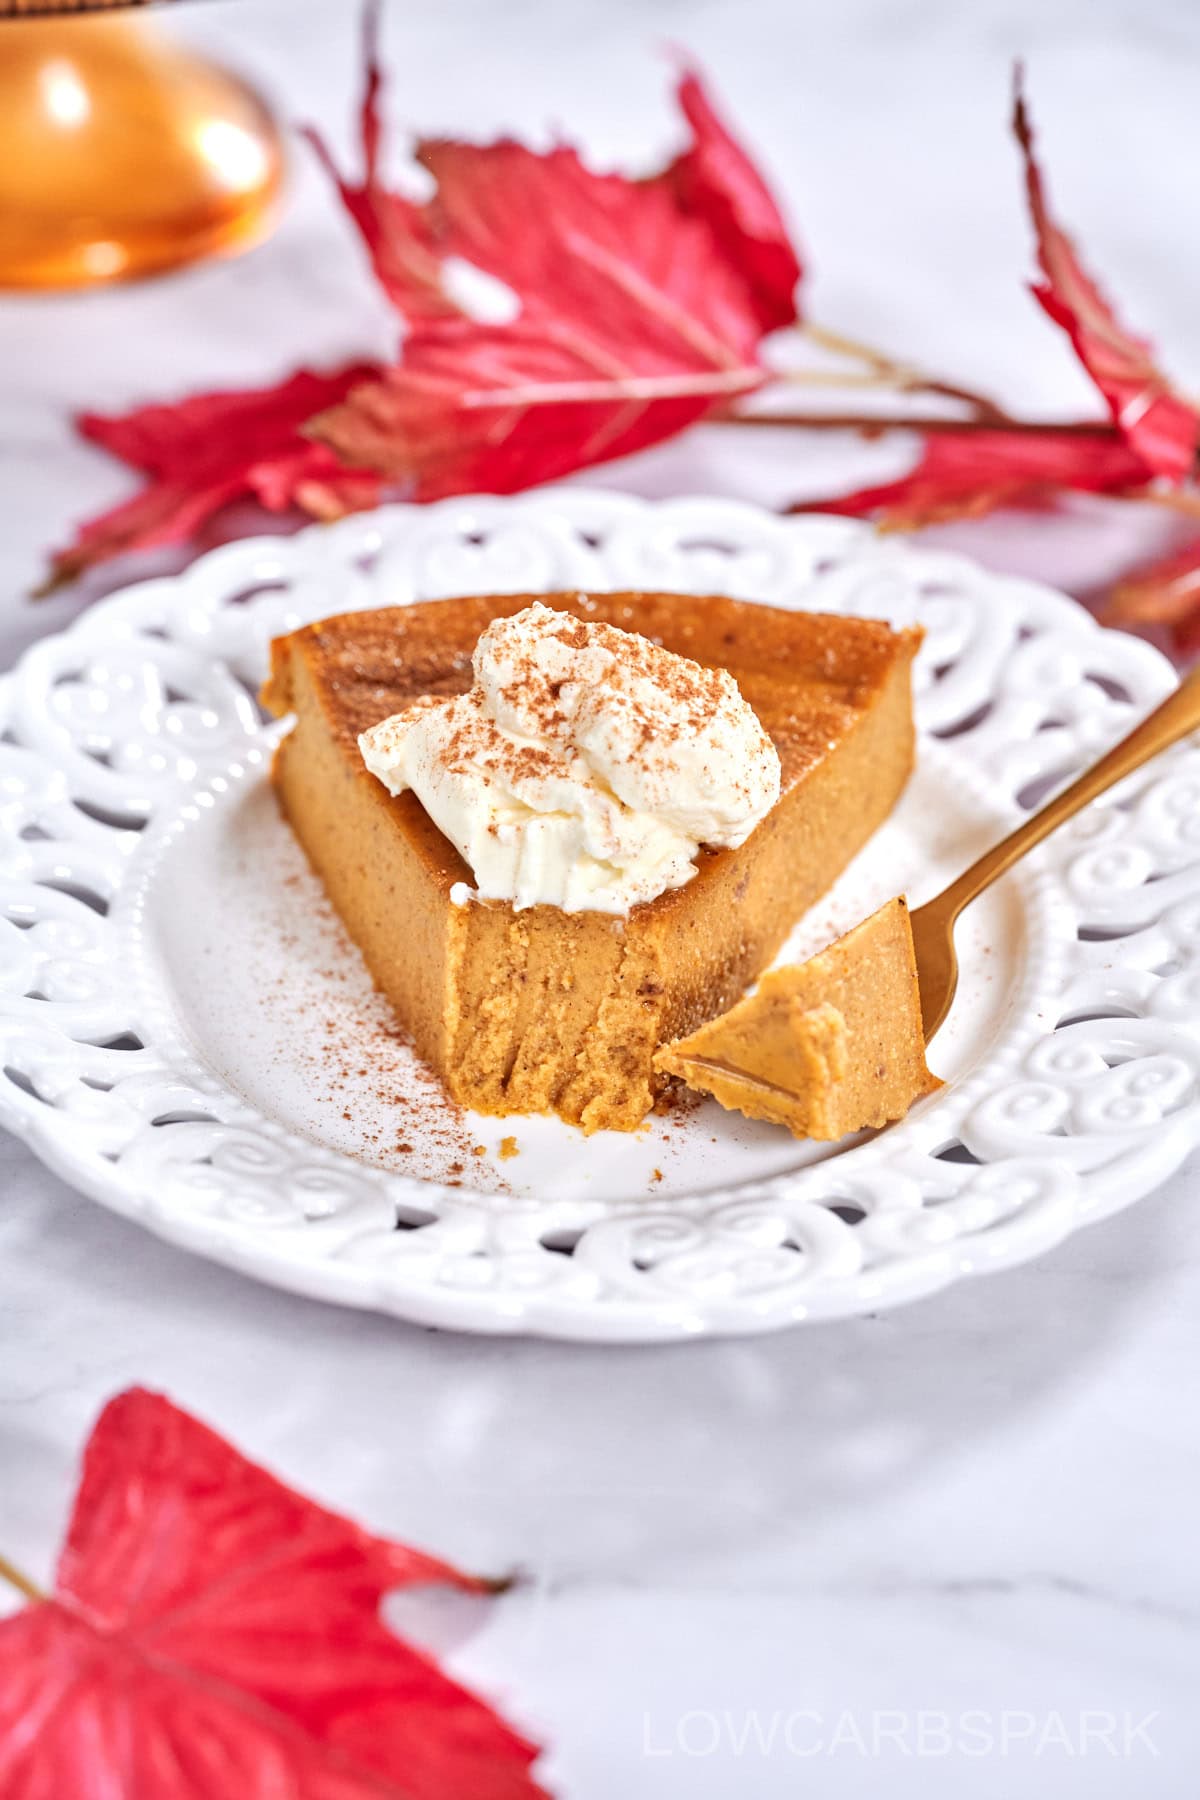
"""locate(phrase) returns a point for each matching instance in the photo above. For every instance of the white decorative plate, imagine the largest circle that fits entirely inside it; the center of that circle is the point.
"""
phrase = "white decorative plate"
(186, 1036)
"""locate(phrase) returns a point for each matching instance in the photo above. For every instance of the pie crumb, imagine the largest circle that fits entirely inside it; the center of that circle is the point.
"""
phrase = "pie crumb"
(508, 1148)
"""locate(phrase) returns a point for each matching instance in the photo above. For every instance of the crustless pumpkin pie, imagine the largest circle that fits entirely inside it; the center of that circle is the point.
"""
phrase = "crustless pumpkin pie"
(540, 1010)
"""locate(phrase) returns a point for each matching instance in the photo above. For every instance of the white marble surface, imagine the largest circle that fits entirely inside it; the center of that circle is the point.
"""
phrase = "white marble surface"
(942, 1552)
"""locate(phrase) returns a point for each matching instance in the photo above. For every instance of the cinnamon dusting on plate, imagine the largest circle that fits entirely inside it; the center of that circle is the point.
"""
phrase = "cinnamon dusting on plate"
(355, 1057)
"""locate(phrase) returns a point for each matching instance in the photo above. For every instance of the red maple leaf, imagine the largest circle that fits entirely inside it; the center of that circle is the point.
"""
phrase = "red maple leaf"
(714, 179)
(524, 216)
(642, 304)
(1156, 423)
(1163, 592)
(215, 1636)
(964, 474)
(476, 408)
(407, 264)
(203, 452)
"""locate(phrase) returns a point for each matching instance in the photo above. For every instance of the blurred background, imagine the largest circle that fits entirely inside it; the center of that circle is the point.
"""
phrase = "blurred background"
(883, 125)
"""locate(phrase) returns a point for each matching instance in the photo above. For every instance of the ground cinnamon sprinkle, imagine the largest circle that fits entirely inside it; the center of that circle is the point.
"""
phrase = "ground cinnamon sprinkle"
(677, 1102)
(643, 676)
(368, 1094)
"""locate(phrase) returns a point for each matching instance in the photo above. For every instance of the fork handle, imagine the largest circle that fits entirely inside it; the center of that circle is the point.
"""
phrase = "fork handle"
(1175, 718)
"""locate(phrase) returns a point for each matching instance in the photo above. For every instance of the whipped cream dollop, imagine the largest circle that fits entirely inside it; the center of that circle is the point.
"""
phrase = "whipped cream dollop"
(584, 768)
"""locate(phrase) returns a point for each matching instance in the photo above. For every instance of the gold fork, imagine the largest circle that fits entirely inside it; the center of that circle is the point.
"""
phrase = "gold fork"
(933, 924)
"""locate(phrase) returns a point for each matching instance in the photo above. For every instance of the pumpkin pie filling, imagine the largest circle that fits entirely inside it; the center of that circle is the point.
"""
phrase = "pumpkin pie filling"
(826, 1047)
(535, 1008)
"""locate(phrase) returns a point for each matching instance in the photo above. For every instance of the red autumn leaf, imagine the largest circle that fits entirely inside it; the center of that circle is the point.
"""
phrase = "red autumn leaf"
(495, 409)
(1163, 592)
(574, 245)
(407, 264)
(631, 329)
(715, 180)
(203, 452)
(964, 474)
(524, 217)
(642, 305)
(214, 1635)
(1155, 421)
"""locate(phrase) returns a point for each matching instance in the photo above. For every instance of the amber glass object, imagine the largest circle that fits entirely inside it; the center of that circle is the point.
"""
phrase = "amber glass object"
(122, 153)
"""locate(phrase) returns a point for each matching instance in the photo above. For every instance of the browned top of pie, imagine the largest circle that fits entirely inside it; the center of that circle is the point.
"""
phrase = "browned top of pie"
(805, 674)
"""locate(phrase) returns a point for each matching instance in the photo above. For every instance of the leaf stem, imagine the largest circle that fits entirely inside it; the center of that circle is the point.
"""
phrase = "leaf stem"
(1179, 500)
(901, 374)
(839, 344)
(499, 1584)
(15, 1578)
(887, 380)
(875, 425)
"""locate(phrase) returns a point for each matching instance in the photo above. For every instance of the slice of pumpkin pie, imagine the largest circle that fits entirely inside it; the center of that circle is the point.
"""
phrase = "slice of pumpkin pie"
(566, 829)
